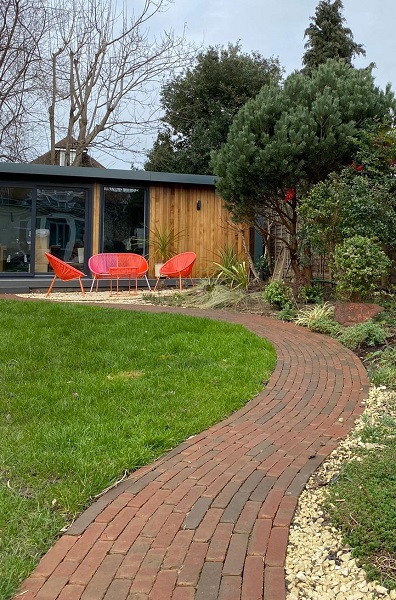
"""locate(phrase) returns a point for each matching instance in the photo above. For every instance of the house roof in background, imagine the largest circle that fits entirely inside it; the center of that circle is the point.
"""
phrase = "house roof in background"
(36, 171)
(87, 159)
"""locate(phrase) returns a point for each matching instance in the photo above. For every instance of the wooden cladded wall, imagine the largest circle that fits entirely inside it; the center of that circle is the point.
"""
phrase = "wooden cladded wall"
(204, 231)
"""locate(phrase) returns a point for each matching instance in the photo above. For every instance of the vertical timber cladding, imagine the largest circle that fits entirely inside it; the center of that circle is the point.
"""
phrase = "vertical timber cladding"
(204, 231)
(96, 217)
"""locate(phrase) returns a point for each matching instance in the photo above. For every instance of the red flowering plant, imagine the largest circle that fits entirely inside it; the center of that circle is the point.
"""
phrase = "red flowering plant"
(355, 167)
(290, 195)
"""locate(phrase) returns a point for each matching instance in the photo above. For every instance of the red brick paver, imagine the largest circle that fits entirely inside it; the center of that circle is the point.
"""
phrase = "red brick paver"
(210, 520)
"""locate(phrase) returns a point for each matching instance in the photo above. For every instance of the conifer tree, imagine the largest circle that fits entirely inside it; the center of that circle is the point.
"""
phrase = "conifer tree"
(328, 37)
(289, 138)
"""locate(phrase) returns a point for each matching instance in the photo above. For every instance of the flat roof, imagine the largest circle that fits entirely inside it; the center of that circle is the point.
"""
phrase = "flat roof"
(95, 174)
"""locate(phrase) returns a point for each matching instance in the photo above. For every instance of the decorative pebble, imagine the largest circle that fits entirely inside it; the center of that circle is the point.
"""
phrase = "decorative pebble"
(318, 566)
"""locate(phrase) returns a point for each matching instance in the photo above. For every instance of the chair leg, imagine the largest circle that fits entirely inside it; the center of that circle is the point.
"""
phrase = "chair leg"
(81, 286)
(156, 283)
(93, 283)
(148, 284)
(180, 283)
(51, 286)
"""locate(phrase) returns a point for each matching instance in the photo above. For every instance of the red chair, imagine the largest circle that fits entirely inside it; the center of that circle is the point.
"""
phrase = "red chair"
(131, 266)
(178, 266)
(107, 265)
(63, 271)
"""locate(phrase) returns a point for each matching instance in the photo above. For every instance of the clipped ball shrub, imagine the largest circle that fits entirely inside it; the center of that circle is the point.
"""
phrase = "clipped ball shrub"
(278, 294)
(359, 263)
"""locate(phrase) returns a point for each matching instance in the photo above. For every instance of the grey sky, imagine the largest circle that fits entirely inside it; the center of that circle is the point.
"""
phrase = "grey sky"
(276, 28)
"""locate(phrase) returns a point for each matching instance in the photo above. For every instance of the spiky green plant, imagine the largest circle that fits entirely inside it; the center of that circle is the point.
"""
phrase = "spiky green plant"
(162, 242)
(236, 276)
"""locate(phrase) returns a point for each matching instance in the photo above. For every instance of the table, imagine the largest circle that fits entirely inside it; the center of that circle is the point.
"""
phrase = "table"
(123, 273)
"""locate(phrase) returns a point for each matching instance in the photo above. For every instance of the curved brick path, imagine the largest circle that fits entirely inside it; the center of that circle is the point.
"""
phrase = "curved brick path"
(210, 520)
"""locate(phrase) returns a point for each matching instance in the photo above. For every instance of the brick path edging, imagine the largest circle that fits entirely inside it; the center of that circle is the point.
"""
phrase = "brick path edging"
(210, 520)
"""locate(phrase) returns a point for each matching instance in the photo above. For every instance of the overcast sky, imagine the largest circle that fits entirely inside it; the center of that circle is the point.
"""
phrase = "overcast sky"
(276, 28)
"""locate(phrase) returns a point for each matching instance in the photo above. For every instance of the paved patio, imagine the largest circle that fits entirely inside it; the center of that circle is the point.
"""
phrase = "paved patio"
(210, 520)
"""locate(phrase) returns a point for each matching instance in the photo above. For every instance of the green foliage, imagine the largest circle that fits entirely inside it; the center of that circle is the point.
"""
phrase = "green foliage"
(311, 294)
(231, 269)
(328, 37)
(369, 333)
(292, 137)
(359, 263)
(262, 268)
(201, 103)
(279, 294)
(362, 506)
(72, 419)
(381, 367)
(162, 243)
(361, 200)
(319, 318)
(235, 276)
(228, 257)
(288, 313)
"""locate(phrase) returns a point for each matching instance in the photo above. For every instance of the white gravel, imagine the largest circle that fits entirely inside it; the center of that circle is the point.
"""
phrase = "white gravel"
(123, 297)
(318, 566)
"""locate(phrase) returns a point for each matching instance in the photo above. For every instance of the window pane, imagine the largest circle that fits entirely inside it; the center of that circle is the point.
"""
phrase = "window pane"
(15, 229)
(123, 223)
(60, 226)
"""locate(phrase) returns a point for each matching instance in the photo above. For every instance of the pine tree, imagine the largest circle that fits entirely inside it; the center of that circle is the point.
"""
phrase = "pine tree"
(290, 137)
(328, 37)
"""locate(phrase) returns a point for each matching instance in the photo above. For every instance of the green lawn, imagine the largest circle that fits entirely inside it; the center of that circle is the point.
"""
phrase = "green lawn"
(89, 393)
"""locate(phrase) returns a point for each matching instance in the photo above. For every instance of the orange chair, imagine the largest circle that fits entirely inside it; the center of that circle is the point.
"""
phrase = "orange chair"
(63, 271)
(178, 266)
(131, 266)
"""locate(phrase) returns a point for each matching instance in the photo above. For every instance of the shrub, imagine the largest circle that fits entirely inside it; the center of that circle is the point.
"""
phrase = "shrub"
(279, 294)
(236, 276)
(288, 313)
(363, 334)
(231, 269)
(227, 257)
(319, 318)
(262, 268)
(382, 367)
(311, 294)
(359, 263)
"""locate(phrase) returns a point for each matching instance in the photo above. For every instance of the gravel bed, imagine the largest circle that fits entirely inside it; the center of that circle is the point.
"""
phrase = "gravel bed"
(123, 297)
(318, 566)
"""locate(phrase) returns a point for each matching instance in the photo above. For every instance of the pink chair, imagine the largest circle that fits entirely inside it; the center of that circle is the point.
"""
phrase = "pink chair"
(108, 265)
(63, 271)
(179, 266)
(99, 265)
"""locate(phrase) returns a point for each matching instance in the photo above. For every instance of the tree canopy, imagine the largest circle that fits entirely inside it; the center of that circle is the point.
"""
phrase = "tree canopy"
(289, 138)
(360, 200)
(328, 37)
(200, 104)
(94, 65)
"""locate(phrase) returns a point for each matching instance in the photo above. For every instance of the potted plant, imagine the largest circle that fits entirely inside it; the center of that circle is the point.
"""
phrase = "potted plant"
(162, 243)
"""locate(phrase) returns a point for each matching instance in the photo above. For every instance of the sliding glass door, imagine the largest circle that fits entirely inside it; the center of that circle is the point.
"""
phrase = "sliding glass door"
(15, 229)
(39, 219)
(60, 225)
(124, 220)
